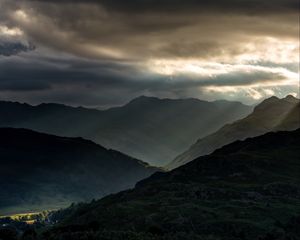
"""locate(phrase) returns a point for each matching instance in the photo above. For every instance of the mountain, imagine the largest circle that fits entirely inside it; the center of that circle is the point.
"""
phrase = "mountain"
(273, 114)
(148, 128)
(40, 171)
(246, 190)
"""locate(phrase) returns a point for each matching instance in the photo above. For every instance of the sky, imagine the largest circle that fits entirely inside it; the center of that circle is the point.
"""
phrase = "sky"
(103, 53)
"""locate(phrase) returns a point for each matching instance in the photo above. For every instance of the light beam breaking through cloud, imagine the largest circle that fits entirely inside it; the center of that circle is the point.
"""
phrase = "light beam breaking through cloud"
(103, 53)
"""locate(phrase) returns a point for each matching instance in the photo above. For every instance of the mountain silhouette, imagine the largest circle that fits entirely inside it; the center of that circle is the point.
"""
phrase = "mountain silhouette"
(245, 190)
(40, 171)
(155, 130)
(273, 114)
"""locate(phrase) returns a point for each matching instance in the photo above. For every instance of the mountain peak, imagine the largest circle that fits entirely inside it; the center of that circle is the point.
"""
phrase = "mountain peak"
(291, 99)
(271, 99)
(143, 99)
(272, 114)
(267, 102)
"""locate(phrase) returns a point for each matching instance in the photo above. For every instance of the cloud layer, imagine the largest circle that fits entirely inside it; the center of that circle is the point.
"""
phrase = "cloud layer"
(103, 53)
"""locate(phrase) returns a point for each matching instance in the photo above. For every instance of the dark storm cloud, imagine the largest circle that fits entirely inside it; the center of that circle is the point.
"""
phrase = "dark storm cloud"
(87, 77)
(13, 48)
(103, 48)
(190, 5)
(22, 85)
(49, 72)
(148, 29)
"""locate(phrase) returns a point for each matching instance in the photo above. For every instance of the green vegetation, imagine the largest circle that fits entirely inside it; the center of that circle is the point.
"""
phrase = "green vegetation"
(23, 226)
(28, 218)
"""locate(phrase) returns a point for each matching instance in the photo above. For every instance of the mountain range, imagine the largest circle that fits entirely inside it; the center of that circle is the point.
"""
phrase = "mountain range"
(245, 190)
(148, 128)
(273, 114)
(40, 171)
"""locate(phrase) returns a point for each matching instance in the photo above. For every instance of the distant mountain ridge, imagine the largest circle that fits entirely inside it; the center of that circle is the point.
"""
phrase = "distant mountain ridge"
(246, 190)
(40, 171)
(273, 114)
(148, 128)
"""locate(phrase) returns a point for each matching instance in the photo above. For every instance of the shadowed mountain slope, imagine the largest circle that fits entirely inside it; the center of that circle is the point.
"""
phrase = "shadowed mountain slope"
(148, 128)
(245, 190)
(40, 171)
(273, 114)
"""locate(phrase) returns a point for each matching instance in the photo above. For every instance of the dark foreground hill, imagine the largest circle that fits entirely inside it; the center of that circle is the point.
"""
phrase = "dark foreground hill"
(246, 190)
(39, 171)
(272, 114)
(154, 130)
